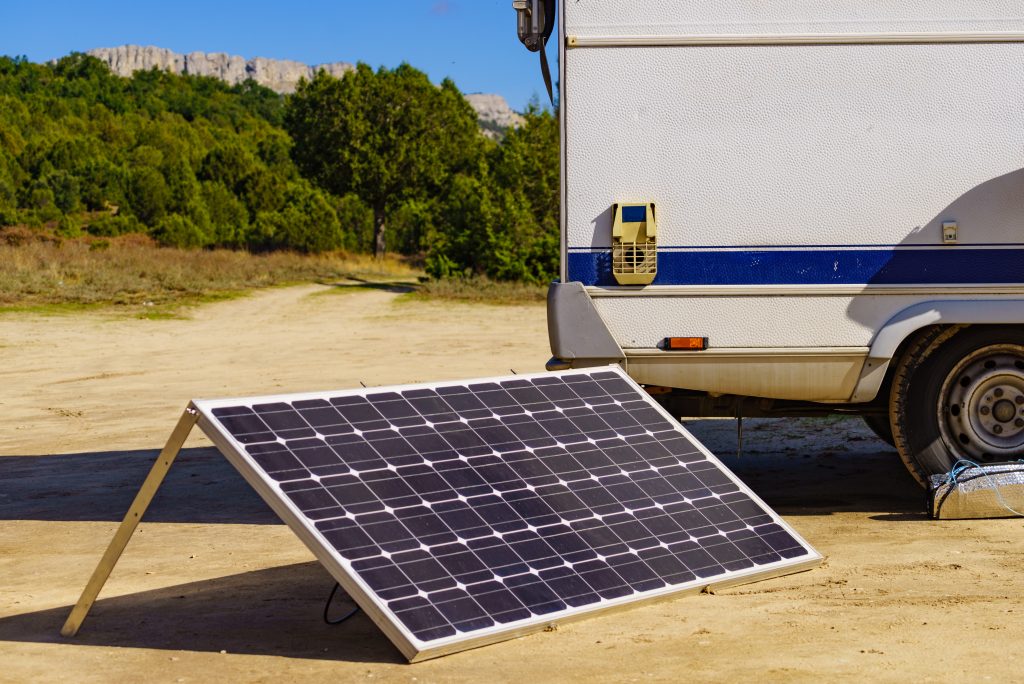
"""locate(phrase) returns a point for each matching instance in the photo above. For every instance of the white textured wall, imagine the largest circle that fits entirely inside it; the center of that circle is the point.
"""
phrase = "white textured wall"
(798, 145)
(670, 17)
(855, 144)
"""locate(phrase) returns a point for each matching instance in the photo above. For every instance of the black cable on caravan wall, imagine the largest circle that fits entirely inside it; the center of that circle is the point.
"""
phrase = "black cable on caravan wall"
(535, 21)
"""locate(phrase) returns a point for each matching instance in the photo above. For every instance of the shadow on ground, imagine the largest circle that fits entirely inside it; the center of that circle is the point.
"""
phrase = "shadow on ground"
(273, 612)
(201, 487)
(395, 287)
(816, 466)
(799, 466)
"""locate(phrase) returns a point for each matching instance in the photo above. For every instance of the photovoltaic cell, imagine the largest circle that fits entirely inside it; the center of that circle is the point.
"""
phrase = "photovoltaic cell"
(463, 512)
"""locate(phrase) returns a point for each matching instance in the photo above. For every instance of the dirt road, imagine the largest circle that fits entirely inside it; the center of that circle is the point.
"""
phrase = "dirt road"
(212, 588)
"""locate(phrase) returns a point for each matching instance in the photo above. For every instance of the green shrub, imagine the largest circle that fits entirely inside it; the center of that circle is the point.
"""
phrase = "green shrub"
(310, 223)
(147, 195)
(356, 221)
(8, 216)
(229, 218)
(112, 226)
(175, 230)
(411, 224)
(68, 227)
(66, 190)
(228, 163)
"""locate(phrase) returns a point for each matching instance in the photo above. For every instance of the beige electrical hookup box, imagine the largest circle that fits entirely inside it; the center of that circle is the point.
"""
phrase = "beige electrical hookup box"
(634, 244)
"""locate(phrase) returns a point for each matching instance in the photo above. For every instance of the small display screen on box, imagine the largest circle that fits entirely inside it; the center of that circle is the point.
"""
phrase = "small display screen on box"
(634, 214)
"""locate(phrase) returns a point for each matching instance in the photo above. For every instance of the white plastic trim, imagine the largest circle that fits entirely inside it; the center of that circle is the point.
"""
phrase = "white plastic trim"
(910, 320)
(900, 327)
(724, 40)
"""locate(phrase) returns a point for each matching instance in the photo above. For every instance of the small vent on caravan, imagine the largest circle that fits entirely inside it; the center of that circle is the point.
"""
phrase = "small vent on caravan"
(634, 244)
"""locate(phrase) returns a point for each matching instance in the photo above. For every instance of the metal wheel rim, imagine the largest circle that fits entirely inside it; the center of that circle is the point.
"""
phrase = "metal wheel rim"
(981, 406)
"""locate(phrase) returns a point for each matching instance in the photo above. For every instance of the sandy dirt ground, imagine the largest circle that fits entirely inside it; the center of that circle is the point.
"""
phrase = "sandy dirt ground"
(213, 588)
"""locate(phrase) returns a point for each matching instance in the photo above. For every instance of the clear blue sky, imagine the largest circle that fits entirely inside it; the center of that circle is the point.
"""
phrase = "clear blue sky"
(472, 41)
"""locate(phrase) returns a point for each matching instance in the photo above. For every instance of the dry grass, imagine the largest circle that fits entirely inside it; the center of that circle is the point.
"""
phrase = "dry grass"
(482, 290)
(47, 274)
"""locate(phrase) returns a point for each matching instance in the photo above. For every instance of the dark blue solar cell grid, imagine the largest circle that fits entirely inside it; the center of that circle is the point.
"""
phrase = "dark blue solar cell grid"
(471, 506)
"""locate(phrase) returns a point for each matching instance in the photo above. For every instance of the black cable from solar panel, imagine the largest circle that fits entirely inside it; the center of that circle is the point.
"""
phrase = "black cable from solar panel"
(327, 608)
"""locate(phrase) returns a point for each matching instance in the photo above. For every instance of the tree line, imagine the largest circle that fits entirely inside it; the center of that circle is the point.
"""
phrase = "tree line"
(379, 160)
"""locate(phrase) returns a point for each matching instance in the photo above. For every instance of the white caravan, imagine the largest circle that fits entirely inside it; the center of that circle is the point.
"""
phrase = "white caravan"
(782, 207)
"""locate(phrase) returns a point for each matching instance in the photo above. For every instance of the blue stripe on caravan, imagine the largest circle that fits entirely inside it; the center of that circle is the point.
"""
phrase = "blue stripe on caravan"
(817, 267)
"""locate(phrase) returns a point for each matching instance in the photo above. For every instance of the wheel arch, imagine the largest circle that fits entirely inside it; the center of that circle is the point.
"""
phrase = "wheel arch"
(901, 328)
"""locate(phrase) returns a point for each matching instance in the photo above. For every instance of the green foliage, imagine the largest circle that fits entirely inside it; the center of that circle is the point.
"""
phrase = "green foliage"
(274, 150)
(39, 198)
(228, 216)
(414, 154)
(190, 160)
(67, 191)
(263, 191)
(179, 231)
(411, 224)
(306, 223)
(102, 182)
(197, 163)
(356, 221)
(182, 186)
(68, 227)
(458, 246)
(229, 164)
(502, 222)
(8, 186)
(527, 163)
(112, 226)
(148, 194)
(387, 136)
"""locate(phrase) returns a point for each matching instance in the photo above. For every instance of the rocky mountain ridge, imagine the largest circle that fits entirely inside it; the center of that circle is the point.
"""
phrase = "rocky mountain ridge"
(279, 75)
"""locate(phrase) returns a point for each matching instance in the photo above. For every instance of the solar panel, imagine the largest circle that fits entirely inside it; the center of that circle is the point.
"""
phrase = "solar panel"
(461, 514)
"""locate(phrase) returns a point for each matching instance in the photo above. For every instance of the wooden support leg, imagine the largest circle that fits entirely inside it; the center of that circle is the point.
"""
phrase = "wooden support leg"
(131, 521)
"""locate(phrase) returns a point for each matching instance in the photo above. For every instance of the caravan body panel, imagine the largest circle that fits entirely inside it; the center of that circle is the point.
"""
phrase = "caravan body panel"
(806, 169)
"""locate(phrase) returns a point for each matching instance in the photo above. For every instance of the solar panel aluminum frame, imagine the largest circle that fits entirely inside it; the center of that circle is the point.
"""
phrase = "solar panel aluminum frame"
(411, 647)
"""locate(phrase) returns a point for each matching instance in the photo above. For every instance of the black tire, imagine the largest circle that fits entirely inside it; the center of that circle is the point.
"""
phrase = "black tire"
(958, 393)
(881, 427)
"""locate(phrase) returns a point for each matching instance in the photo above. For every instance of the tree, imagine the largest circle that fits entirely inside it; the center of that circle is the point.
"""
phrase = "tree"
(229, 219)
(194, 162)
(458, 245)
(66, 190)
(101, 182)
(356, 221)
(502, 221)
(76, 138)
(8, 195)
(263, 191)
(387, 136)
(412, 223)
(229, 164)
(527, 163)
(147, 195)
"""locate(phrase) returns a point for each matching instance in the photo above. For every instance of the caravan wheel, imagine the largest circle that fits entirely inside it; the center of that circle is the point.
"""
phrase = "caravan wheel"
(958, 394)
